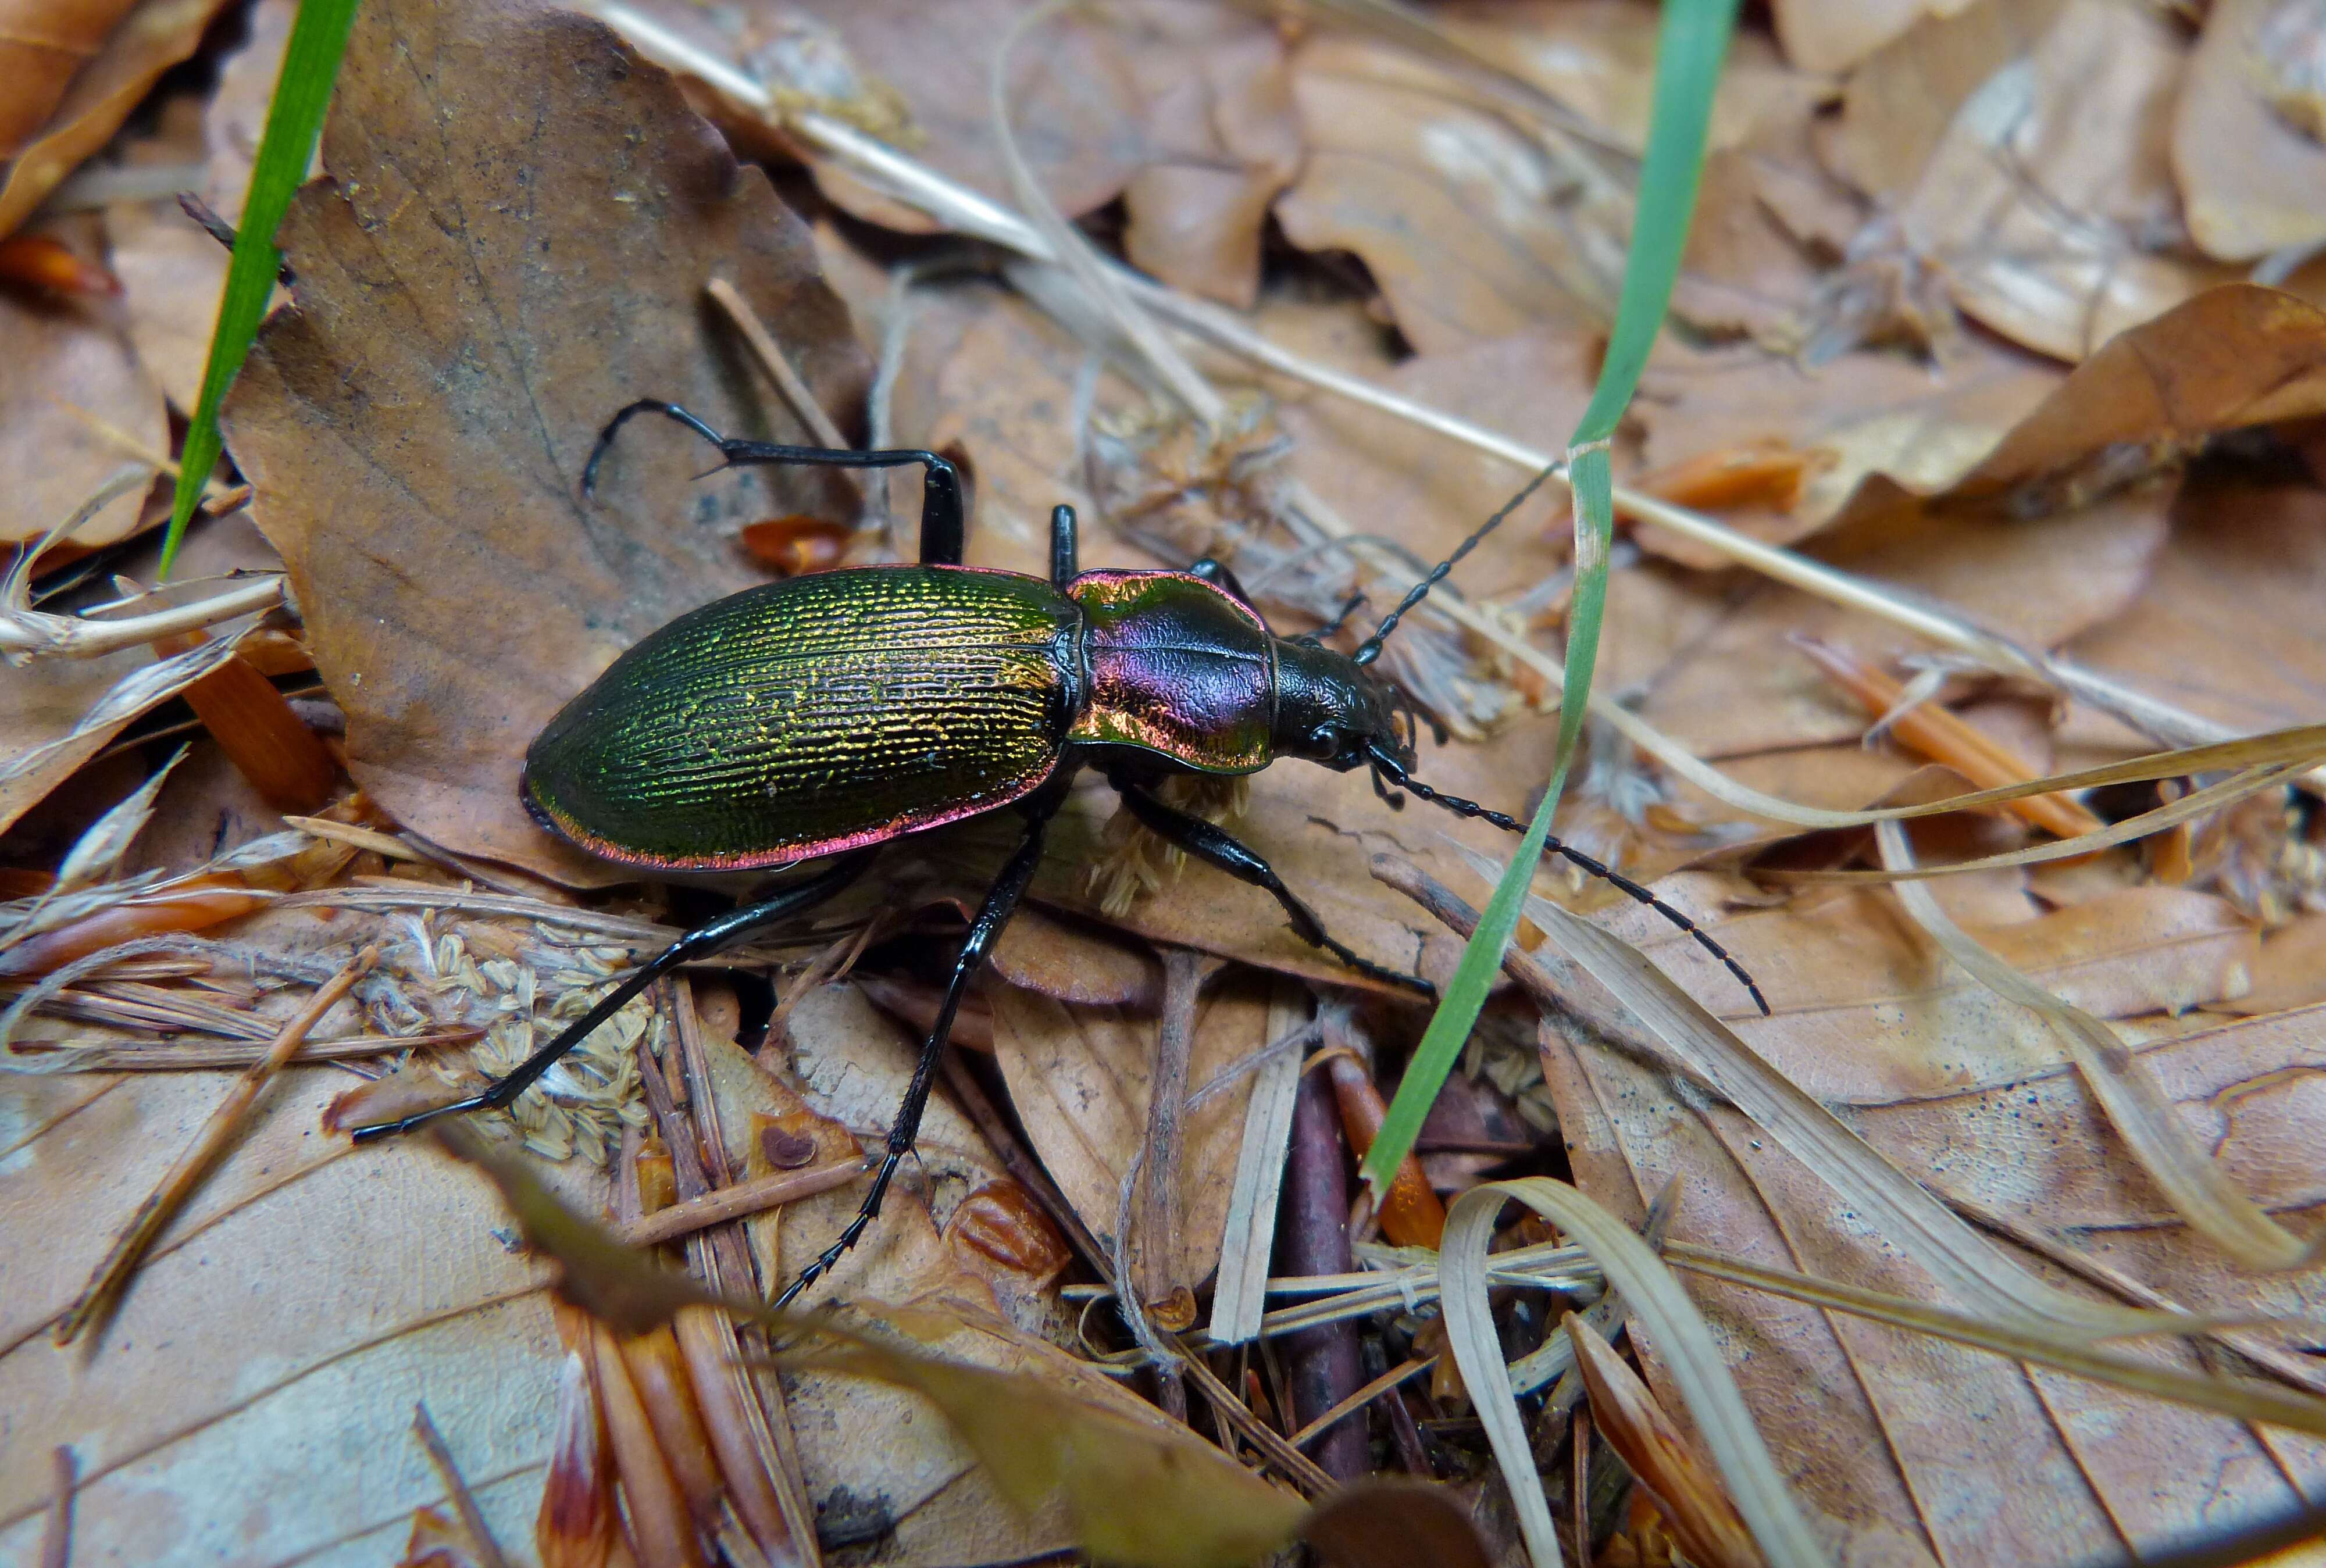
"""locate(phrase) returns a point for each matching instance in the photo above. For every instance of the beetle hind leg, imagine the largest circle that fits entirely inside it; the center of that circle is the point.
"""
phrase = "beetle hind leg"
(942, 524)
(698, 943)
(1000, 903)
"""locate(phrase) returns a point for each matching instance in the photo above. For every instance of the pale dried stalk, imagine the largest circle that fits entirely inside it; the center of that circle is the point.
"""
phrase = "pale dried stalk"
(34, 634)
(775, 362)
(2137, 1104)
(67, 1057)
(2242, 1398)
(755, 1196)
(464, 1501)
(1899, 1208)
(1681, 1337)
(224, 1126)
(1248, 1239)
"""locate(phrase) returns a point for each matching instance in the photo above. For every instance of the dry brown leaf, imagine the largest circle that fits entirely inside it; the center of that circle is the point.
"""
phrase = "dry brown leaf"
(1074, 101)
(70, 364)
(2249, 175)
(57, 115)
(1474, 224)
(2048, 202)
(1987, 420)
(171, 270)
(1877, 422)
(1742, 689)
(1141, 1488)
(1080, 1080)
(2225, 625)
(1836, 35)
(1950, 1090)
(367, 1279)
(1223, 138)
(417, 449)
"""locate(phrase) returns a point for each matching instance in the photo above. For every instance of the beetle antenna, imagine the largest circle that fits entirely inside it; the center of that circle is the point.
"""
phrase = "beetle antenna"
(1384, 763)
(1370, 648)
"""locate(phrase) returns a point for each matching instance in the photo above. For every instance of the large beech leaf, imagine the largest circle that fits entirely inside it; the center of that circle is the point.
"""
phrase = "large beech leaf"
(511, 245)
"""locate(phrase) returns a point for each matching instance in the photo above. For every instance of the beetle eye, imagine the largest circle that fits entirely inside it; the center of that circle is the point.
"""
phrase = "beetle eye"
(1325, 740)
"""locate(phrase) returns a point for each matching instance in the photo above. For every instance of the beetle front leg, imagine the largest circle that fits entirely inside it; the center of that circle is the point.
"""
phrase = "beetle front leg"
(1209, 843)
(698, 943)
(1000, 903)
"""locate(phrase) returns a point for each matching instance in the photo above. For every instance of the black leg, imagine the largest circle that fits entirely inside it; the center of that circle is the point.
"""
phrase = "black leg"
(1214, 572)
(942, 527)
(1000, 903)
(1382, 763)
(1208, 842)
(1065, 549)
(698, 943)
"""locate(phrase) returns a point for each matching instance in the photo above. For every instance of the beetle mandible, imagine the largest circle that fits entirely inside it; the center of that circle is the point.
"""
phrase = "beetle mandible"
(819, 717)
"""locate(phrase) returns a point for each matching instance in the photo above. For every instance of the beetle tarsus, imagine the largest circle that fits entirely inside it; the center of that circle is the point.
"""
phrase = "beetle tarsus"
(1385, 763)
(943, 526)
(698, 943)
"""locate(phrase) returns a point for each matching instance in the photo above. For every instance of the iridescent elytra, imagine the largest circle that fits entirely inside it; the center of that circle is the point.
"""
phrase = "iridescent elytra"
(814, 718)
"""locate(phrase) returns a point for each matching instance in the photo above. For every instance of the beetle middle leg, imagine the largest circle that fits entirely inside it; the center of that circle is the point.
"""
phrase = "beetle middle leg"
(1000, 903)
(698, 943)
(942, 528)
(1207, 841)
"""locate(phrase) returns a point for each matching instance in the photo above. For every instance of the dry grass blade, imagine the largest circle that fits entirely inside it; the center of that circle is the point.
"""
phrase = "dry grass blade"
(2137, 1104)
(56, 1532)
(2242, 1398)
(112, 1276)
(1970, 1268)
(1247, 1240)
(464, 1502)
(1683, 1338)
(2187, 807)
(1703, 1519)
(67, 1057)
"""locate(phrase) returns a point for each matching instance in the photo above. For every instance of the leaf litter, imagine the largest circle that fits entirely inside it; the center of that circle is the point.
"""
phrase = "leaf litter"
(1965, 382)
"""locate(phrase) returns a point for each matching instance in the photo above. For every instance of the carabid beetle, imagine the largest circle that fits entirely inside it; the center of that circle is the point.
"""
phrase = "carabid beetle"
(820, 717)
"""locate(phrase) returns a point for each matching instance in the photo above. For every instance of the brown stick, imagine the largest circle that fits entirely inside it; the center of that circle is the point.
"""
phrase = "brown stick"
(56, 1536)
(217, 1135)
(1322, 1361)
(756, 1196)
(464, 1502)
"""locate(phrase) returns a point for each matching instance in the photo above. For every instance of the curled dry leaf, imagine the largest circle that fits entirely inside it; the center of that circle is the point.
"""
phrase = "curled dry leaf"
(1073, 101)
(172, 268)
(2249, 172)
(71, 372)
(1140, 1489)
(420, 471)
(2048, 202)
(57, 115)
(2021, 1141)
(1703, 1519)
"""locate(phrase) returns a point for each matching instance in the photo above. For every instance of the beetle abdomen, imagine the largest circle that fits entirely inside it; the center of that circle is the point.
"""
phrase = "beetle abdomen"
(813, 715)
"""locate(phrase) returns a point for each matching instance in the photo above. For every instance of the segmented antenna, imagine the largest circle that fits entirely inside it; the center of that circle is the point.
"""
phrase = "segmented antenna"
(1369, 649)
(1385, 763)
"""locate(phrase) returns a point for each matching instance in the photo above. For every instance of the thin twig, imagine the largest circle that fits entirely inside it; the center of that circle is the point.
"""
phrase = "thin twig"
(218, 1133)
(775, 362)
(1363, 1398)
(56, 1535)
(464, 1502)
(755, 1195)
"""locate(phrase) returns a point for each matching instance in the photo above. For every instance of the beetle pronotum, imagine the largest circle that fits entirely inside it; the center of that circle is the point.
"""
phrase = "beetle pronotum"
(819, 717)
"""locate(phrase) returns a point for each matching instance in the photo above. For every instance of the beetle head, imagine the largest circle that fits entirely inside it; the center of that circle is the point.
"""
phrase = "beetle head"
(1337, 712)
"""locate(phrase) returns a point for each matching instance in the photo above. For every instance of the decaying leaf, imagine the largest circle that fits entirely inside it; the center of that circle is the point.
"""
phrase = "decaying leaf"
(1139, 1492)
(432, 384)
(2250, 171)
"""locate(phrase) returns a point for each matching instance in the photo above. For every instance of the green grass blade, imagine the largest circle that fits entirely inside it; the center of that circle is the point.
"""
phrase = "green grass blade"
(311, 62)
(1691, 45)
